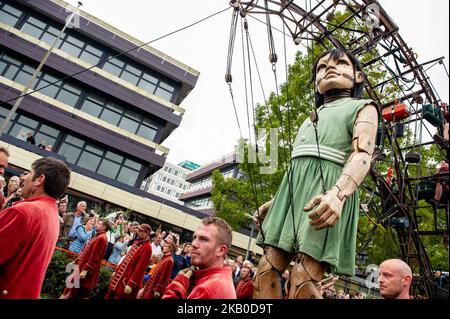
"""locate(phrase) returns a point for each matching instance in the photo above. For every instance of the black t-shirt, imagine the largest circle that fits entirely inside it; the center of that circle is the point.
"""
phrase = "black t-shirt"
(31, 140)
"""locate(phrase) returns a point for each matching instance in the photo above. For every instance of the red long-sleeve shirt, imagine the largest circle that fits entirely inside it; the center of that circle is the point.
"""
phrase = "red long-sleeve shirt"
(244, 289)
(28, 234)
(213, 283)
(160, 279)
(131, 270)
(90, 259)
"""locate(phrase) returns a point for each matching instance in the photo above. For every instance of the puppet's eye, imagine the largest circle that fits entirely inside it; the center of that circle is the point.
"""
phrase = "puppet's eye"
(343, 62)
(321, 66)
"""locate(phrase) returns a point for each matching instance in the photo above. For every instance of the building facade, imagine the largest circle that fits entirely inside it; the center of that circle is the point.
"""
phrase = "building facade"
(199, 194)
(103, 106)
(169, 182)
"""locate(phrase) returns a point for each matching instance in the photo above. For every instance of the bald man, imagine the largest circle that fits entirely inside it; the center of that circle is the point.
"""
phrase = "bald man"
(395, 279)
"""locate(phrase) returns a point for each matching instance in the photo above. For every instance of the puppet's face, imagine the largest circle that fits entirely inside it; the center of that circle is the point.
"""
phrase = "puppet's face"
(336, 74)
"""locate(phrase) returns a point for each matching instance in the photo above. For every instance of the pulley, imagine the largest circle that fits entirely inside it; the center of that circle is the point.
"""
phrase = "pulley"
(314, 116)
(396, 112)
(273, 58)
(400, 222)
(432, 114)
(413, 157)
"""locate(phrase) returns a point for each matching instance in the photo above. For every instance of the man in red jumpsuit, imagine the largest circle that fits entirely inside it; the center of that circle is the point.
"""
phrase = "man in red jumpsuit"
(211, 279)
(29, 230)
(127, 279)
(89, 263)
(244, 289)
(155, 286)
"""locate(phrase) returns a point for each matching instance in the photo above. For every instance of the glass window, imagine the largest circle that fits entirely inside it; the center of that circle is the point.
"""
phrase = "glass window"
(75, 141)
(163, 94)
(115, 107)
(93, 50)
(69, 94)
(146, 132)
(38, 23)
(89, 161)
(9, 15)
(132, 115)
(143, 84)
(70, 152)
(114, 157)
(27, 121)
(32, 30)
(128, 176)
(39, 137)
(109, 168)
(19, 131)
(49, 130)
(129, 77)
(89, 58)
(110, 116)
(3, 66)
(50, 90)
(133, 70)
(71, 49)
(166, 87)
(94, 149)
(48, 38)
(22, 77)
(11, 72)
(74, 41)
(111, 68)
(92, 106)
(128, 124)
(150, 78)
(133, 164)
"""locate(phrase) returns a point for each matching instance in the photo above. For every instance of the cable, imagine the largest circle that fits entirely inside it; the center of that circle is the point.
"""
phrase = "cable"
(117, 55)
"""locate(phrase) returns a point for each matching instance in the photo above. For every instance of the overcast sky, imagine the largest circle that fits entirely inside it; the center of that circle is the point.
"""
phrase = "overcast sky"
(209, 128)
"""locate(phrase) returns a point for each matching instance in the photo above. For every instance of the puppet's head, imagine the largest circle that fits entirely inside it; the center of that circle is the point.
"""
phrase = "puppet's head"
(337, 69)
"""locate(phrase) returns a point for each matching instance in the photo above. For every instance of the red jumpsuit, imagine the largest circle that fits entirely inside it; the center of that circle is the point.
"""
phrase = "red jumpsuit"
(212, 283)
(90, 260)
(160, 279)
(130, 271)
(28, 234)
(244, 289)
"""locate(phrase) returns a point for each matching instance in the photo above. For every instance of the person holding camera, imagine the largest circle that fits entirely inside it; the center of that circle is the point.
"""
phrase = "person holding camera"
(72, 221)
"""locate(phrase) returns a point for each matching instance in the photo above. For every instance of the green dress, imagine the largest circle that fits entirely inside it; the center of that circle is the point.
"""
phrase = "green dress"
(335, 245)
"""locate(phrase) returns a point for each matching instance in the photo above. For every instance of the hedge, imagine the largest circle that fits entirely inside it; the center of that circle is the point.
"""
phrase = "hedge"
(55, 278)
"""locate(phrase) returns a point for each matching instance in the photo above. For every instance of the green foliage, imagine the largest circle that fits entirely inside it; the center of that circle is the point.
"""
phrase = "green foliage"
(55, 278)
(101, 288)
(234, 211)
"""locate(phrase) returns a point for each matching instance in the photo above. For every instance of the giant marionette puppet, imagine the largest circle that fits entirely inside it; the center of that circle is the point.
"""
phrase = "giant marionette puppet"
(313, 218)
